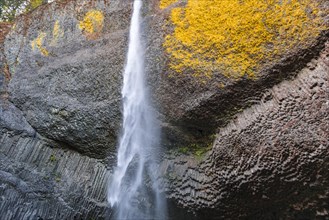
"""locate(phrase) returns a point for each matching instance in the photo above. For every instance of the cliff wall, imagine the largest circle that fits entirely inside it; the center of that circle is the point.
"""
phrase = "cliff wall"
(243, 107)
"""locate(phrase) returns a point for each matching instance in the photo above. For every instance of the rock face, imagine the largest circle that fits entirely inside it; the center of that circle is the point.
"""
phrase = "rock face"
(270, 162)
(39, 181)
(191, 109)
(259, 146)
(60, 109)
(67, 76)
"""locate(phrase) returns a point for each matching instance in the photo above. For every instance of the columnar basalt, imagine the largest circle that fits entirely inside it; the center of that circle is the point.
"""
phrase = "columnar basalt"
(271, 161)
(259, 144)
(66, 70)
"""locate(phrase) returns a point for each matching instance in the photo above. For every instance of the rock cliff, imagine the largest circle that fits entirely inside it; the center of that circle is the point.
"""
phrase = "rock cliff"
(270, 162)
(243, 137)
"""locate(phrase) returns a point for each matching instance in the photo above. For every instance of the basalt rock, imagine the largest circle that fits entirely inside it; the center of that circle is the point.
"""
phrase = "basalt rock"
(192, 110)
(270, 162)
(43, 181)
(66, 75)
(60, 109)
(60, 114)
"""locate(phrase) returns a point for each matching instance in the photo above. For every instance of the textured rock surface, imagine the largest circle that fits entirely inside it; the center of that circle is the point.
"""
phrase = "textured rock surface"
(67, 80)
(60, 109)
(41, 181)
(4, 71)
(56, 99)
(192, 111)
(270, 162)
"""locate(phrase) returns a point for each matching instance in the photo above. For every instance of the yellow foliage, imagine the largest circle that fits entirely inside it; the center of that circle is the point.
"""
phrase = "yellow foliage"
(166, 3)
(35, 3)
(92, 23)
(234, 36)
(37, 44)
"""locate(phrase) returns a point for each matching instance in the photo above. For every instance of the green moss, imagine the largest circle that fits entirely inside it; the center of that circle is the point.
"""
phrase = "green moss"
(52, 158)
(35, 3)
(58, 177)
(198, 150)
(184, 150)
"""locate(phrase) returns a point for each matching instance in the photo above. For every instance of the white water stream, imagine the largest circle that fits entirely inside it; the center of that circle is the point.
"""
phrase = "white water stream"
(133, 192)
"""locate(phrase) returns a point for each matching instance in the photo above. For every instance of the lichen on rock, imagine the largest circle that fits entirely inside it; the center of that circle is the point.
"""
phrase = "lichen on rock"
(37, 43)
(58, 32)
(92, 23)
(234, 37)
(165, 3)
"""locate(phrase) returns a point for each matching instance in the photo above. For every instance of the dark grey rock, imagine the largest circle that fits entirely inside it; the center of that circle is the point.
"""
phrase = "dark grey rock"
(12, 119)
(271, 162)
(192, 111)
(73, 94)
(38, 181)
(62, 111)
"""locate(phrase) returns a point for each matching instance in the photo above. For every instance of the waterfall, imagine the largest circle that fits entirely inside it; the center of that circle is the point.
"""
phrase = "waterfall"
(133, 191)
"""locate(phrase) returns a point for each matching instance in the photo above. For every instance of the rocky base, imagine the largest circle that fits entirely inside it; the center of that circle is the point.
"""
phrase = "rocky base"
(39, 181)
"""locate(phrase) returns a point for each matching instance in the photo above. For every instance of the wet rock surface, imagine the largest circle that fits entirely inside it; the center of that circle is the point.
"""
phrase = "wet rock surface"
(270, 162)
(60, 115)
(66, 81)
(192, 110)
(58, 111)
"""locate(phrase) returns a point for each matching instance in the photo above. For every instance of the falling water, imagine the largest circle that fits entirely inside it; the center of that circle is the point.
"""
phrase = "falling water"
(133, 192)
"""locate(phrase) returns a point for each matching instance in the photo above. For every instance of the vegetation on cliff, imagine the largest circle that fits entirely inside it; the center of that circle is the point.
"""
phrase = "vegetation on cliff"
(166, 3)
(9, 9)
(234, 37)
